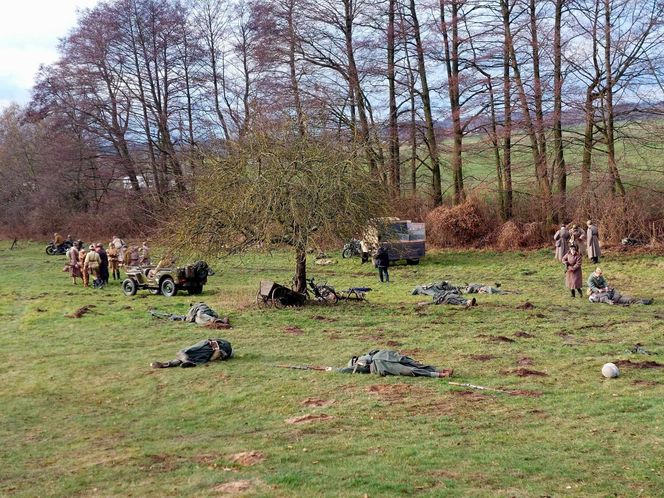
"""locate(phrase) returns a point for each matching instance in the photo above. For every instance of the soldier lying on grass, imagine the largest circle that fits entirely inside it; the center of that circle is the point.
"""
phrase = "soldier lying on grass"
(200, 353)
(600, 292)
(385, 362)
(199, 313)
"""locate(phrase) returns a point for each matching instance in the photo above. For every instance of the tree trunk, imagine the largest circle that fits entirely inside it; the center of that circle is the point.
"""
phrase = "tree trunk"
(354, 82)
(295, 87)
(507, 132)
(300, 269)
(559, 158)
(539, 159)
(586, 160)
(616, 182)
(394, 162)
(426, 106)
(454, 91)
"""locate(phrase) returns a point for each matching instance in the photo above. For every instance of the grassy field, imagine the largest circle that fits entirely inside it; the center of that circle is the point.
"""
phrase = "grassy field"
(84, 415)
(638, 153)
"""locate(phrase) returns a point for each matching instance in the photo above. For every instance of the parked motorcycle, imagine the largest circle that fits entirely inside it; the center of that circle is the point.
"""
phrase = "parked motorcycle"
(53, 250)
(352, 248)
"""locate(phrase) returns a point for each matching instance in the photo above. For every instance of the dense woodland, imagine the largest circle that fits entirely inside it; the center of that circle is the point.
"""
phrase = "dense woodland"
(556, 103)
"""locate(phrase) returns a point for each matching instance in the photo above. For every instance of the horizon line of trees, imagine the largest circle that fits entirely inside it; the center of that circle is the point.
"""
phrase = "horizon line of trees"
(144, 91)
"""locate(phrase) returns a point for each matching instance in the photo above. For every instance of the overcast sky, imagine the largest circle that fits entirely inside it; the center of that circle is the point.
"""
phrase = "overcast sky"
(29, 32)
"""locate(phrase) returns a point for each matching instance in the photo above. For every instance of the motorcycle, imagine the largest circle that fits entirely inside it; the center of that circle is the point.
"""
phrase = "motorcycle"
(352, 248)
(53, 250)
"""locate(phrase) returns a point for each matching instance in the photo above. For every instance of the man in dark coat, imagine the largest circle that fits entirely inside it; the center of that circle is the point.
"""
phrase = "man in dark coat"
(385, 362)
(382, 263)
(200, 353)
(103, 266)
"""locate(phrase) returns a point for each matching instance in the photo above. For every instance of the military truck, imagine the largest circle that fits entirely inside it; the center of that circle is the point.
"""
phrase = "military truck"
(168, 280)
(403, 239)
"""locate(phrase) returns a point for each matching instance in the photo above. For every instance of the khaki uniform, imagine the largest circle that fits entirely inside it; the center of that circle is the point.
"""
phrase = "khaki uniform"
(92, 263)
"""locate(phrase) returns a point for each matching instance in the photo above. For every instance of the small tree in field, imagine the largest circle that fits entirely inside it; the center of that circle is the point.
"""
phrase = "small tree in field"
(279, 189)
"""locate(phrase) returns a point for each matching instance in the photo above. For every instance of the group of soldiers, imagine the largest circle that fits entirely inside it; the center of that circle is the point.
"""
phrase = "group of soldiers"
(569, 251)
(101, 263)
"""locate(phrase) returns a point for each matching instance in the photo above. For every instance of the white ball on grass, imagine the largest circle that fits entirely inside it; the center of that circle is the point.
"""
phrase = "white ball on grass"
(610, 371)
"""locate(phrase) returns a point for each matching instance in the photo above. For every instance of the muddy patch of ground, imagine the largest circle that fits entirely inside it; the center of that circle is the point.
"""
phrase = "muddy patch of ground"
(482, 357)
(324, 318)
(638, 364)
(293, 330)
(527, 372)
(526, 306)
(524, 335)
(495, 338)
(81, 311)
(317, 402)
(247, 458)
(524, 361)
(393, 344)
(645, 383)
(311, 417)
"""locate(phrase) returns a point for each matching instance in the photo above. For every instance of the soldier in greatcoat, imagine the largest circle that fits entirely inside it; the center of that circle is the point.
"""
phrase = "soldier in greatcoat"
(592, 241)
(573, 274)
(385, 362)
(562, 242)
(200, 353)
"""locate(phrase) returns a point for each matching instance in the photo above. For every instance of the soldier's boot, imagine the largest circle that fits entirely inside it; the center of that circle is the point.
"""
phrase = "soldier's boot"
(572, 291)
(580, 293)
(187, 364)
(168, 364)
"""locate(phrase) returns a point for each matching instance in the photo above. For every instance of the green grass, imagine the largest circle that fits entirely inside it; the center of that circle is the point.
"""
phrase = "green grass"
(83, 414)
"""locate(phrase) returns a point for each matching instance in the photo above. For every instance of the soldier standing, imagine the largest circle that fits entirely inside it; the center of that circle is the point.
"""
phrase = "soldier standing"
(592, 239)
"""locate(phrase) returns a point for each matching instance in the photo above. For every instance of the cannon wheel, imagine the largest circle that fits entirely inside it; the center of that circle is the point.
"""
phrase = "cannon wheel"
(276, 297)
(328, 295)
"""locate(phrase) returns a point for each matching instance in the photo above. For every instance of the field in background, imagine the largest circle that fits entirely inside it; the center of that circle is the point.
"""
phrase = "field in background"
(638, 153)
(83, 414)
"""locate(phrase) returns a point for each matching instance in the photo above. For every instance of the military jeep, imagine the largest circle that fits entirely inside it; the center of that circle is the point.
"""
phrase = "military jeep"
(167, 281)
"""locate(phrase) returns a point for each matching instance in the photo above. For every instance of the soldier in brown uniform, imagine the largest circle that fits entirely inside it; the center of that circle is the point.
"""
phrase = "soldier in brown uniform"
(85, 273)
(113, 261)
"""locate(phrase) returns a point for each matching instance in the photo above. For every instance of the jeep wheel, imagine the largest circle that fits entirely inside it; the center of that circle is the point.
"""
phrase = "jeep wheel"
(168, 287)
(129, 287)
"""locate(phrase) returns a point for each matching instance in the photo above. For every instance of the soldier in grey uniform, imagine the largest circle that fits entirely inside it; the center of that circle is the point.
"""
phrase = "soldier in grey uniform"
(200, 353)
(385, 362)
(199, 313)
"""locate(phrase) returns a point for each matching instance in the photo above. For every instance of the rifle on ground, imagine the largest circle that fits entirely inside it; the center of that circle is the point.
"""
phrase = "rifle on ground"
(482, 388)
(458, 384)
(306, 367)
